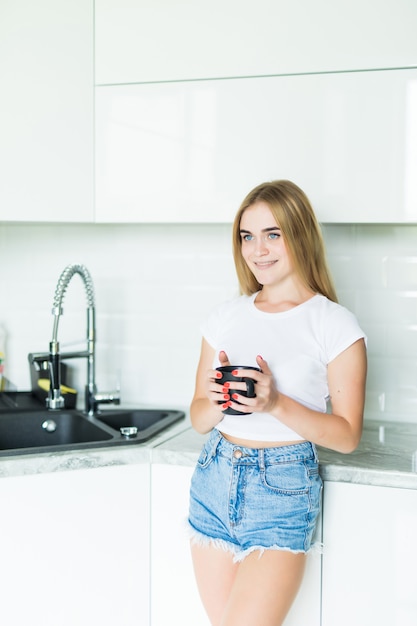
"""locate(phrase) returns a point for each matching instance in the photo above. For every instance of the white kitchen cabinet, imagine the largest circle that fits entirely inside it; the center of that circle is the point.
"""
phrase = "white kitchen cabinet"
(190, 151)
(174, 594)
(158, 40)
(370, 555)
(47, 105)
(74, 547)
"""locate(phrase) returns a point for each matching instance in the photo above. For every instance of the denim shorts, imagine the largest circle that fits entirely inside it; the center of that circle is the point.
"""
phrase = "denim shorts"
(246, 499)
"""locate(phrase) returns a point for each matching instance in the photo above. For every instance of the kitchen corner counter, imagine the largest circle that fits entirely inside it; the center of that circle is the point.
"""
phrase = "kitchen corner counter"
(385, 457)
(87, 458)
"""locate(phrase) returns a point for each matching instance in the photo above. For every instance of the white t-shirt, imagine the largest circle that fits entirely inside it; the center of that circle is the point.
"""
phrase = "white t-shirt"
(298, 344)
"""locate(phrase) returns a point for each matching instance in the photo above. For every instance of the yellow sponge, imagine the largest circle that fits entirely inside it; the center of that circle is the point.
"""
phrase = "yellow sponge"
(45, 383)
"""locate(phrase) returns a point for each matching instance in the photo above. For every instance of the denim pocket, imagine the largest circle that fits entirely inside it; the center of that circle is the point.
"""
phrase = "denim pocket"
(287, 478)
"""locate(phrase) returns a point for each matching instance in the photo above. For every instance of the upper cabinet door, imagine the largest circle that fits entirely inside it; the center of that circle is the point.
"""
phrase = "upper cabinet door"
(190, 151)
(47, 99)
(158, 40)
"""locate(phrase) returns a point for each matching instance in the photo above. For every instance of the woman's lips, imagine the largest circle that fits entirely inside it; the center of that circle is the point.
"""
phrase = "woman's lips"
(264, 264)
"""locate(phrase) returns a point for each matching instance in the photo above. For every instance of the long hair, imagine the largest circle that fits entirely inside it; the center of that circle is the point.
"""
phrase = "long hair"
(302, 235)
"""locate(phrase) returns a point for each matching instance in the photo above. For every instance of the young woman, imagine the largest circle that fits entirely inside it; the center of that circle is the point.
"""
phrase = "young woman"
(255, 492)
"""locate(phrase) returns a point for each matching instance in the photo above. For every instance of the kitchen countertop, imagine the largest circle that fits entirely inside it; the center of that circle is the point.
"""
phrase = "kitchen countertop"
(385, 457)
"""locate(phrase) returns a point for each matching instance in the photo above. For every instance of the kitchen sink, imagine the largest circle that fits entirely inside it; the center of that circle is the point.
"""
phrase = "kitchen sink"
(146, 422)
(47, 429)
(40, 430)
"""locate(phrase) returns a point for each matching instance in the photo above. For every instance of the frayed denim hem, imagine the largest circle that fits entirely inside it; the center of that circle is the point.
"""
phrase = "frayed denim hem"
(199, 539)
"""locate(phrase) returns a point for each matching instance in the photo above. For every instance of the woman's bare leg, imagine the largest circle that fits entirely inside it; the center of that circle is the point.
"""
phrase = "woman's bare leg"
(259, 591)
(264, 588)
(215, 573)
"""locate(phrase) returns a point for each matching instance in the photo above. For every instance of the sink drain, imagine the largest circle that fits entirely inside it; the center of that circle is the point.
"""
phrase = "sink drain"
(49, 425)
(129, 431)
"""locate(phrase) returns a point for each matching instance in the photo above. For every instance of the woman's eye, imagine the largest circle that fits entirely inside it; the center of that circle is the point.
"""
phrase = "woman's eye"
(247, 237)
(273, 235)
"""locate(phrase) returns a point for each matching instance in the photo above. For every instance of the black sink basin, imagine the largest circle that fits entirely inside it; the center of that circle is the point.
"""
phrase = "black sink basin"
(147, 422)
(39, 430)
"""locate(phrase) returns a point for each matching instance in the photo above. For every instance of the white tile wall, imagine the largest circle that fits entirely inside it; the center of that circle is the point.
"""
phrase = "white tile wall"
(154, 283)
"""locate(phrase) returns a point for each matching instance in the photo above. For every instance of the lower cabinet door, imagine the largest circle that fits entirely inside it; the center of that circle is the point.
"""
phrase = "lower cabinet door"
(74, 547)
(174, 593)
(370, 556)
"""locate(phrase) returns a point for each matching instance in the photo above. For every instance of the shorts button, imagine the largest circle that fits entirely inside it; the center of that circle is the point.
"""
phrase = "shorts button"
(238, 454)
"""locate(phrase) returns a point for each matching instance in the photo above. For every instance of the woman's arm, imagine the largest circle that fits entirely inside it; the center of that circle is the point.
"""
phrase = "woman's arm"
(205, 410)
(340, 430)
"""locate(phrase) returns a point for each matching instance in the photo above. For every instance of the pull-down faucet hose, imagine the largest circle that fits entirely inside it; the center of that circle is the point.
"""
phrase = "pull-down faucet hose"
(55, 399)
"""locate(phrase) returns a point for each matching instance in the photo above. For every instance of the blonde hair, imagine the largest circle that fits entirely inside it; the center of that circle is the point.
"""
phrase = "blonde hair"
(301, 231)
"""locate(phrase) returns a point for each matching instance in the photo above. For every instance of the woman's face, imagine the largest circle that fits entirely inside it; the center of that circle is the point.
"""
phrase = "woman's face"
(263, 246)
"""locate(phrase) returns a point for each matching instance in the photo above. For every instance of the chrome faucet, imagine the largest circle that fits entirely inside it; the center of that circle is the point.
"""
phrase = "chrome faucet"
(55, 399)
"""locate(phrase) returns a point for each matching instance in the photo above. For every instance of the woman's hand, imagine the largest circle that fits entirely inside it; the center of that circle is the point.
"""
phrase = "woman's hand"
(211, 397)
(205, 410)
(218, 393)
(267, 395)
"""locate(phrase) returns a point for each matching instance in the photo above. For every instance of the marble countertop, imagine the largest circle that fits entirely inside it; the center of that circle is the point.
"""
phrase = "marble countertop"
(386, 455)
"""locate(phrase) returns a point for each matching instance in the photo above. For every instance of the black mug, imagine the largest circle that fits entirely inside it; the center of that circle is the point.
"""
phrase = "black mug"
(227, 376)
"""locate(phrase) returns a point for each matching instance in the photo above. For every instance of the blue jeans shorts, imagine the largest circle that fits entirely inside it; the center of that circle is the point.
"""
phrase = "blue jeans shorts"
(246, 499)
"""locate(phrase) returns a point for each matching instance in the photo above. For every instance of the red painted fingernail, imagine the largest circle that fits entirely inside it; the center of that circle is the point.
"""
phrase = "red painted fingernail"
(218, 375)
(226, 405)
(235, 396)
(226, 385)
(234, 373)
(226, 396)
